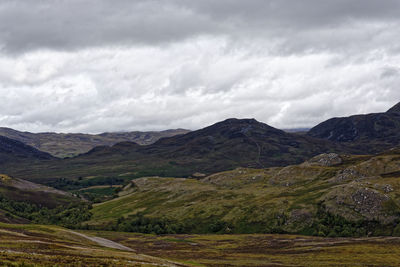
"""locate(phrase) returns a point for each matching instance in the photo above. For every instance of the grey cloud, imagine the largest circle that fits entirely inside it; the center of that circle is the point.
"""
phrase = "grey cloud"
(100, 65)
(296, 14)
(390, 72)
(76, 24)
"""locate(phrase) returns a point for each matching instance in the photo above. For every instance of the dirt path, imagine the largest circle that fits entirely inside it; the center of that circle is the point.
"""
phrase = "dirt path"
(103, 242)
(100, 186)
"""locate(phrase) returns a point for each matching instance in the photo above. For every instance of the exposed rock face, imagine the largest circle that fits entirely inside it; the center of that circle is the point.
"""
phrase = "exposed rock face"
(347, 174)
(326, 160)
(368, 202)
(387, 188)
(356, 200)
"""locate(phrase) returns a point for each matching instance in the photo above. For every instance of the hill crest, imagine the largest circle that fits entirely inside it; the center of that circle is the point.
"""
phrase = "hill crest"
(367, 133)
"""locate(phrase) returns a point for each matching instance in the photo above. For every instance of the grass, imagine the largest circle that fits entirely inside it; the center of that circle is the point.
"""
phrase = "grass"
(261, 200)
(41, 245)
(35, 245)
(264, 250)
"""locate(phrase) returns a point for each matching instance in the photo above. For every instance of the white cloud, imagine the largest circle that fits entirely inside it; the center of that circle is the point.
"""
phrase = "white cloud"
(149, 65)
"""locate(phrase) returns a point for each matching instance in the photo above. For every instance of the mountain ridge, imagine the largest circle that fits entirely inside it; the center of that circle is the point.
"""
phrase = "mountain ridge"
(222, 146)
(13, 150)
(71, 144)
(368, 133)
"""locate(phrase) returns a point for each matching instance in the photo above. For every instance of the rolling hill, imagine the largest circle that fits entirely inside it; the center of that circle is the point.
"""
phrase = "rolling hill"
(328, 195)
(67, 145)
(370, 133)
(24, 191)
(22, 201)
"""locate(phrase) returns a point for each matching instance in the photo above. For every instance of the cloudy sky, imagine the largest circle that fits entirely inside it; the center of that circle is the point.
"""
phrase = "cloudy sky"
(102, 65)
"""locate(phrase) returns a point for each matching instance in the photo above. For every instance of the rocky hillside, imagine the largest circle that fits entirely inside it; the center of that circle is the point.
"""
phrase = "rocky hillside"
(68, 145)
(329, 195)
(369, 133)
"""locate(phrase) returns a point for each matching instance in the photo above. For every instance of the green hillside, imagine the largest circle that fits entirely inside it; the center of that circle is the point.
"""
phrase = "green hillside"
(329, 195)
(22, 201)
(24, 191)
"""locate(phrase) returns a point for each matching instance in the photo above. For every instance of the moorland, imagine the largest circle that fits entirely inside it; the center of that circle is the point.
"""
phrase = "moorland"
(236, 193)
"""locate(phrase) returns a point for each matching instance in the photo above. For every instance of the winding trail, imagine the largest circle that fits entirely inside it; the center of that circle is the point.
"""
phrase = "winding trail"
(103, 242)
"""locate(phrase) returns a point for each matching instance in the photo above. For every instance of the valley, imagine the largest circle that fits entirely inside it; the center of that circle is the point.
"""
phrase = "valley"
(236, 193)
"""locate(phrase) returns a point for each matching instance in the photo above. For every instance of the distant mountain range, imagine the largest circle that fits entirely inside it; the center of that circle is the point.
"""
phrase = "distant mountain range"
(225, 145)
(222, 146)
(67, 145)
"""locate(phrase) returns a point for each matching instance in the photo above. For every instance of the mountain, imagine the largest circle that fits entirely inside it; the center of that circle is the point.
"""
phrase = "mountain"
(68, 145)
(328, 195)
(370, 133)
(225, 145)
(13, 151)
(238, 142)
(394, 109)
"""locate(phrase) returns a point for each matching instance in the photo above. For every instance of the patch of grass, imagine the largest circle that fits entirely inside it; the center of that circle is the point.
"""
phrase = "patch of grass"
(39, 245)
(261, 250)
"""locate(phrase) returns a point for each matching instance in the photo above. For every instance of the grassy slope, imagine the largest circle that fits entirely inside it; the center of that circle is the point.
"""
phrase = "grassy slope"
(21, 190)
(263, 250)
(37, 245)
(255, 200)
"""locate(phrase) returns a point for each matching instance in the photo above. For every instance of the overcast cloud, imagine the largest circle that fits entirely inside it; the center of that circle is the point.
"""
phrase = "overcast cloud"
(101, 65)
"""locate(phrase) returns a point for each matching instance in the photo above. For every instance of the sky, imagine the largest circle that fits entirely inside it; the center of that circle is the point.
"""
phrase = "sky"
(100, 66)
